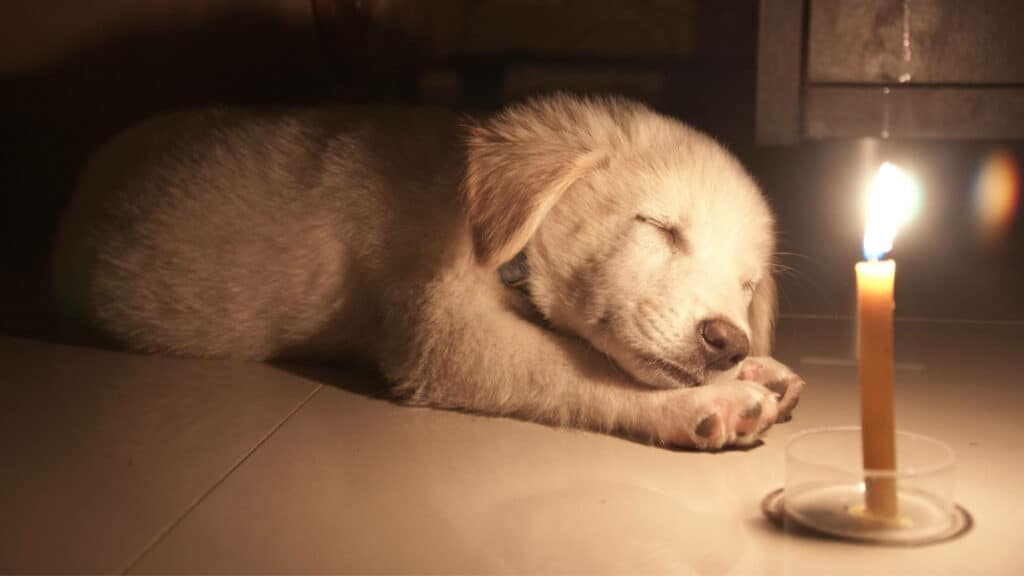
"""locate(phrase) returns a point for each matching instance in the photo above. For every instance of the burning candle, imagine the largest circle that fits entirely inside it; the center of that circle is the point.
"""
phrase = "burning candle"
(891, 201)
(875, 341)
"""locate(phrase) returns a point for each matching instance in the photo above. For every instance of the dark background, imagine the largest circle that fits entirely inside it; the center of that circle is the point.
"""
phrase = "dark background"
(74, 73)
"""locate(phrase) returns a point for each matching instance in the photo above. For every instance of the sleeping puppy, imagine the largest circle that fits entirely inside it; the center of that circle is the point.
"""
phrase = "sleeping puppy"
(577, 262)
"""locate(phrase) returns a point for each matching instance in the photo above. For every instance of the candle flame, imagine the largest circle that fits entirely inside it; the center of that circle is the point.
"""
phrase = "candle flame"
(893, 199)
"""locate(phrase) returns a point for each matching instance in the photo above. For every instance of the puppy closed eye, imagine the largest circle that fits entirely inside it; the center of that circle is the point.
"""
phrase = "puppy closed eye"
(670, 231)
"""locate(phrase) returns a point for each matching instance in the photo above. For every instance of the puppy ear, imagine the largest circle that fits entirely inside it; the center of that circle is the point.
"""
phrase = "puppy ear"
(763, 307)
(520, 163)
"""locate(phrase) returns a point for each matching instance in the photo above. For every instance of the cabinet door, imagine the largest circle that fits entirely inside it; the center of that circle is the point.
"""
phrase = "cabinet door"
(917, 41)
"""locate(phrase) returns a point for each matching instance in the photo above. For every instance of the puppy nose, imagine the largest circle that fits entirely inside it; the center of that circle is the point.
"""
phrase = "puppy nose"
(725, 345)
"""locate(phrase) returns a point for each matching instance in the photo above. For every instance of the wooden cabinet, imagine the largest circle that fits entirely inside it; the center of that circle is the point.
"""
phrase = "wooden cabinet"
(890, 68)
(477, 51)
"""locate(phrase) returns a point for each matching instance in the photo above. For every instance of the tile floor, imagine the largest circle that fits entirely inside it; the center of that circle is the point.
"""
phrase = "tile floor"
(122, 463)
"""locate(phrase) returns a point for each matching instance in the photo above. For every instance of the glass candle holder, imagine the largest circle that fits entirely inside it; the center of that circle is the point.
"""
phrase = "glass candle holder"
(826, 486)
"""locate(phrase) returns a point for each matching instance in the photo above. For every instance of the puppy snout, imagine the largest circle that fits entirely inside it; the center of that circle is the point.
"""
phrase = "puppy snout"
(725, 345)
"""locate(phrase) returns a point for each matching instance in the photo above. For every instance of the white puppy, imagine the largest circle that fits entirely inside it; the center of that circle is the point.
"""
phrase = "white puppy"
(576, 262)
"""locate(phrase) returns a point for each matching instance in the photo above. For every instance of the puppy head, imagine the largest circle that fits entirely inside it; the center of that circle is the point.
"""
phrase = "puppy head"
(643, 236)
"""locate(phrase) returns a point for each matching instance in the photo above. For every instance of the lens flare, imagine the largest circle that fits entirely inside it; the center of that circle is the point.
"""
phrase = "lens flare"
(996, 196)
(893, 199)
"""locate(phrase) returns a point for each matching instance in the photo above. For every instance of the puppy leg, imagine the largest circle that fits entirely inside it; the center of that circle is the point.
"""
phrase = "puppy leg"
(778, 378)
(484, 359)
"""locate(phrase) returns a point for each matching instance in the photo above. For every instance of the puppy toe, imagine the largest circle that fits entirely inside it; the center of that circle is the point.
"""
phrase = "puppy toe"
(706, 435)
(779, 387)
(753, 412)
(708, 427)
(787, 414)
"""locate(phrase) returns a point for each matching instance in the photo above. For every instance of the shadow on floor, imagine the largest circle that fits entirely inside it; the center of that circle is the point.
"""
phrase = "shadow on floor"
(353, 376)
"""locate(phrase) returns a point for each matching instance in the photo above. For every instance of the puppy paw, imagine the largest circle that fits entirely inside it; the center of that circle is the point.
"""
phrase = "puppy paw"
(778, 378)
(729, 414)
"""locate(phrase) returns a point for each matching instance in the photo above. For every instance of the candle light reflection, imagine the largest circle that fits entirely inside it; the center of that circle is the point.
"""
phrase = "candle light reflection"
(996, 196)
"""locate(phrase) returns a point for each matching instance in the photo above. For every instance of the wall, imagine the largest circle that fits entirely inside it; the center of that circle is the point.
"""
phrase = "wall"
(74, 72)
(34, 34)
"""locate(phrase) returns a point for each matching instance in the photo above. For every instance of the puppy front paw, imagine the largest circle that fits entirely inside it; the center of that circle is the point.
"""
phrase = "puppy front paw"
(729, 414)
(778, 378)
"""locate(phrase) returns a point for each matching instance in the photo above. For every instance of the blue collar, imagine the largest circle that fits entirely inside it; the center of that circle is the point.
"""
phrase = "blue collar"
(515, 272)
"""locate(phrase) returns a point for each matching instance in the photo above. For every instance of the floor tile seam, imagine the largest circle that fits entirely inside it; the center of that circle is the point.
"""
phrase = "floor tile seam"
(905, 319)
(216, 484)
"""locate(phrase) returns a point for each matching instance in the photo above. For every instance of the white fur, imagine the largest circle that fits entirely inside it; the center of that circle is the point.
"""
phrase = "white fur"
(377, 233)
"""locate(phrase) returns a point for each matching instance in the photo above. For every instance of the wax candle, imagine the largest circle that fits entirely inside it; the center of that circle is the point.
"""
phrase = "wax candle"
(892, 200)
(875, 304)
